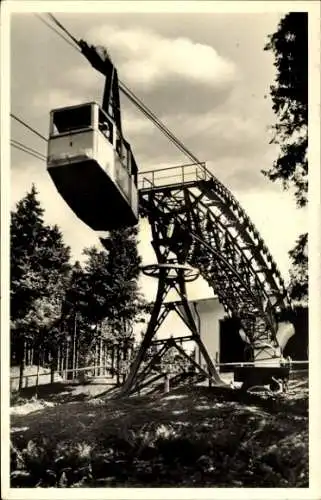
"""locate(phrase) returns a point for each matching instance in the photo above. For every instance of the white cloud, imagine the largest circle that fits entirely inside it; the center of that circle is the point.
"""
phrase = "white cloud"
(55, 98)
(135, 124)
(227, 126)
(148, 59)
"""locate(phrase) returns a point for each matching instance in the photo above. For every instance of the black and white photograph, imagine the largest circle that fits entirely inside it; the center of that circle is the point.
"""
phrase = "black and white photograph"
(159, 192)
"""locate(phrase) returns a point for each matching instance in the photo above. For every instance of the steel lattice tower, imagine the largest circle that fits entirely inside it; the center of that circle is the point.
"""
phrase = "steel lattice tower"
(196, 219)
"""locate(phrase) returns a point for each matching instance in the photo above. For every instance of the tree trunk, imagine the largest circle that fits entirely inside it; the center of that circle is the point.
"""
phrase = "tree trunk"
(74, 346)
(22, 362)
(113, 360)
(37, 380)
(67, 360)
(52, 369)
(77, 356)
(62, 362)
(58, 360)
(118, 365)
(101, 358)
(27, 360)
(96, 358)
(106, 358)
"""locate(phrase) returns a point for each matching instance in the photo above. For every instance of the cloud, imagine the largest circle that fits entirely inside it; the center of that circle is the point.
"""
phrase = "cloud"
(135, 124)
(235, 146)
(55, 98)
(147, 59)
(168, 74)
(225, 133)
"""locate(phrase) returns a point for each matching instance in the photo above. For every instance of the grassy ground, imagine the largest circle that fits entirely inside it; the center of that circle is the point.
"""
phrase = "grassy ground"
(191, 437)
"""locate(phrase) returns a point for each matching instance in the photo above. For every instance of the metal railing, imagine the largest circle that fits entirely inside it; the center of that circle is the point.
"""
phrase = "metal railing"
(31, 380)
(92, 371)
(177, 175)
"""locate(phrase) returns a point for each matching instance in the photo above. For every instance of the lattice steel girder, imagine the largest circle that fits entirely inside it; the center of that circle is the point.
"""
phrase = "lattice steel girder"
(205, 226)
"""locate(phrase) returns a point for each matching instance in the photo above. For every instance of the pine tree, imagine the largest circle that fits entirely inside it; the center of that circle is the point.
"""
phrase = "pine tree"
(299, 272)
(289, 93)
(289, 45)
(39, 266)
(26, 230)
(105, 292)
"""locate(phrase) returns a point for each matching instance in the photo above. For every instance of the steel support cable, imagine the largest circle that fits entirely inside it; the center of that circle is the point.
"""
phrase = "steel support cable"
(20, 144)
(26, 149)
(152, 117)
(57, 32)
(157, 123)
(135, 100)
(127, 92)
(25, 124)
(55, 20)
(22, 147)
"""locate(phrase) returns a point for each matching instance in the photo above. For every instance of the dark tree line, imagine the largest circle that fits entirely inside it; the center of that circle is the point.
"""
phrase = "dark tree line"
(289, 94)
(51, 296)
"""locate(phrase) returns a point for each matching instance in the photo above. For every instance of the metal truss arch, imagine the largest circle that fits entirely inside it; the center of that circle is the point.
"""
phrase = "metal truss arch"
(202, 223)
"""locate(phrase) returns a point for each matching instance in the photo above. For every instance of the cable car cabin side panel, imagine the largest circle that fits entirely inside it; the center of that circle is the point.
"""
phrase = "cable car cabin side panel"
(90, 177)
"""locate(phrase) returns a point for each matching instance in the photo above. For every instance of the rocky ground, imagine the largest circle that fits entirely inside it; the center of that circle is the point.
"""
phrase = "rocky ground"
(190, 437)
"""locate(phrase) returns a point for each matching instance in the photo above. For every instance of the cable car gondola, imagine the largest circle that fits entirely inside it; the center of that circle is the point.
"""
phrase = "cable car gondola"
(89, 161)
(93, 167)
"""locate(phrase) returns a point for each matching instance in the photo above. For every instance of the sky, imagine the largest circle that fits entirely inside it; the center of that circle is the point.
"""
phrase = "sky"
(205, 75)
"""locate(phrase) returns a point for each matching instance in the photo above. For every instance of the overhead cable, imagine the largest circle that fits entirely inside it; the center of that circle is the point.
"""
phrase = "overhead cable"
(151, 116)
(55, 20)
(26, 149)
(139, 104)
(25, 124)
(57, 32)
